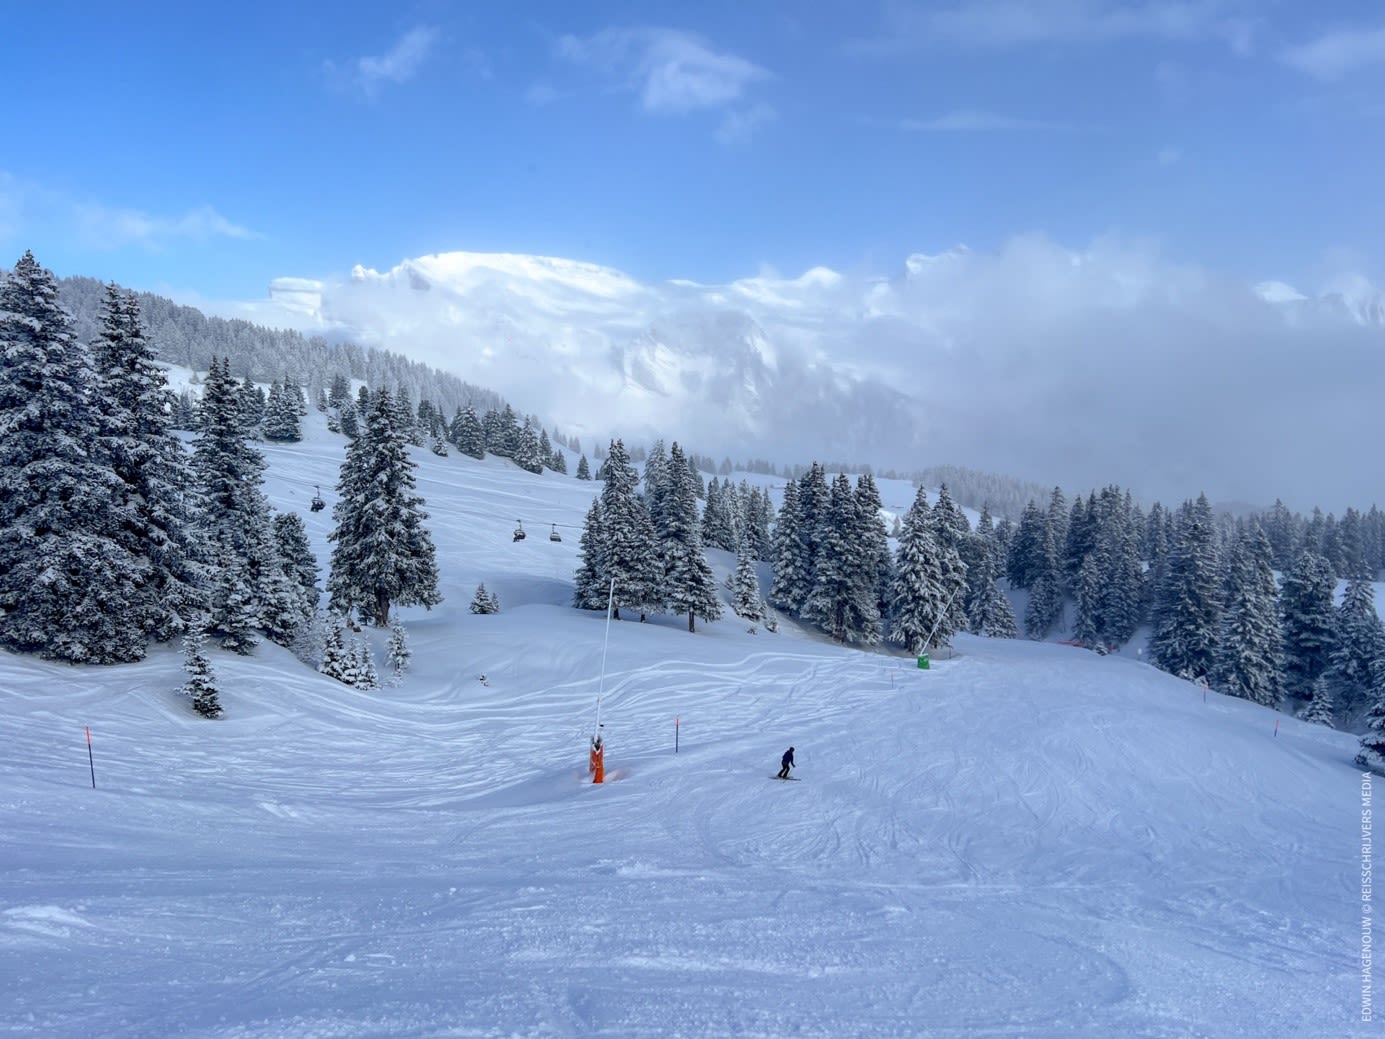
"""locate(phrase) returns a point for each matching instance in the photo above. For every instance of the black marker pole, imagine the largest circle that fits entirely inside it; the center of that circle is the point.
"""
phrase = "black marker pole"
(91, 760)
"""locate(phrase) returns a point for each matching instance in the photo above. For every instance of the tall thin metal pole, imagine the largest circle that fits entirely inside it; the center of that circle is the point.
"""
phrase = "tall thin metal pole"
(601, 685)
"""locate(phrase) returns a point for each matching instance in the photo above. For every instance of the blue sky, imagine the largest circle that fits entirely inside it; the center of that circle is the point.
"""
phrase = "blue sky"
(211, 148)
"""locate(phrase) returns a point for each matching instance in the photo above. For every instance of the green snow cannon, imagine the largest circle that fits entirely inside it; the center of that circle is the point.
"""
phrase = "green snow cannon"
(923, 662)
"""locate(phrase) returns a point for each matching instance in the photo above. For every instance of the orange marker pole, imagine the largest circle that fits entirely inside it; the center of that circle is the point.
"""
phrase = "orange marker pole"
(90, 760)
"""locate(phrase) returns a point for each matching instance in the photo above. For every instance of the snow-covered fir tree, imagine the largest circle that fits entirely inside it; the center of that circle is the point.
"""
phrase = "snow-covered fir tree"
(1356, 666)
(1247, 661)
(399, 653)
(68, 573)
(248, 591)
(590, 590)
(988, 610)
(337, 660)
(281, 415)
(1321, 709)
(1372, 754)
(468, 434)
(689, 586)
(950, 534)
(718, 522)
(843, 600)
(744, 585)
(1308, 616)
(1187, 609)
(200, 687)
(875, 540)
(628, 551)
(484, 602)
(150, 461)
(297, 560)
(383, 554)
(583, 469)
(1045, 606)
(918, 600)
(366, 675)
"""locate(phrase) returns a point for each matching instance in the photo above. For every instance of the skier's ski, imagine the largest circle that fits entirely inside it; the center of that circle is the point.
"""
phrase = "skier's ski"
(791, 779)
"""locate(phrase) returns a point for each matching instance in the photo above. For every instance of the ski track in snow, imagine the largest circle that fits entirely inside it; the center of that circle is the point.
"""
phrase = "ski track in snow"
(1026, 840)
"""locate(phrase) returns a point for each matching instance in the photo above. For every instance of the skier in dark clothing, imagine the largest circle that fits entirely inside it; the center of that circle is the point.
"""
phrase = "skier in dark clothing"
(786, 763)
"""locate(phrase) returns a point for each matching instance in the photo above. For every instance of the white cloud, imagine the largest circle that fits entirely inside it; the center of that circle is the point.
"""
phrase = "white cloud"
(1018, 23)
(26, 208)
(740, 126)
(1076, 366)
(105, 227)
(399, 64)
(671, 71)
(1337, 54)
(970, 120)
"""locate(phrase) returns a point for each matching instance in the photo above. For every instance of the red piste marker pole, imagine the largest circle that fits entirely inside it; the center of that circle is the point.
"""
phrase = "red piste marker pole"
(90, 760)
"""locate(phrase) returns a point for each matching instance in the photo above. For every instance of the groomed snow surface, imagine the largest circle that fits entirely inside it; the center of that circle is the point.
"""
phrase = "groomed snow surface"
(1025, 840)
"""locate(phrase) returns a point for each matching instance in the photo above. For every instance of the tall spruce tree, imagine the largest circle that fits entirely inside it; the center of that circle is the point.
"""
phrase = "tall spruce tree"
(1187, 615)
(843, 600)
(153, 466)
(689, 585)
(248, 592)
(1356, 668)
(68, 570)
(1248, 662)
(918, 600)
(1308, 618)
(629, 548)
(383, 554)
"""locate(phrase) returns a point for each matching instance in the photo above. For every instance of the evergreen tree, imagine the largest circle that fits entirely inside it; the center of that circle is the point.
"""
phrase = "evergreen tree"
(337, 661)
(399, 652)
(468, 434)
(988, 610)
(1320, 709)
(150, 461)
(843, 600)
(1026, 558)
(366, 675)
(718, 524)
(281, 416)
(484, 602)
(248, 590)
(950, 533)
(1247, 662)
(1356, 668)
(746, 601)
(558, 462)
(1187, 615)
(918, 600)
(1045, 605)
(788, 550)
(590, 590)
(689, 585)
(874, 543)
(384, 555)
(1372, 753)
(297, 561)
(1306, 603)
(629, 550)
(583, 469)
(68, 573)
(201, 684)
